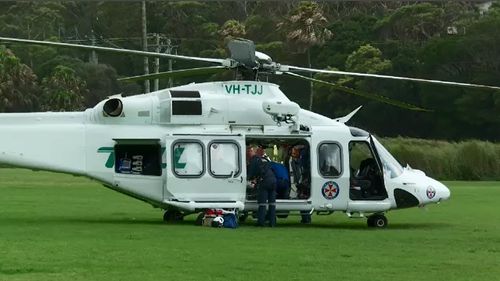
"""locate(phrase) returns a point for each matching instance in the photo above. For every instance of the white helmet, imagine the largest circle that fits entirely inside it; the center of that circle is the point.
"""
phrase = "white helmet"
(218, 222)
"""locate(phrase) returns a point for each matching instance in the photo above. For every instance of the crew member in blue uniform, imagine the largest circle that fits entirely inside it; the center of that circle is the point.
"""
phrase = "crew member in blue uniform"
(259, 171)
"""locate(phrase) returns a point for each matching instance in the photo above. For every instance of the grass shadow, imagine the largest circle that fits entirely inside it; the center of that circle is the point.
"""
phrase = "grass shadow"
(83, 220)
(361, 226)
(357, 226)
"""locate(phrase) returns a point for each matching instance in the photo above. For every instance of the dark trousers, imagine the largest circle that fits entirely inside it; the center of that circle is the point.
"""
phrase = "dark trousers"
(306, 217)
(266, 196)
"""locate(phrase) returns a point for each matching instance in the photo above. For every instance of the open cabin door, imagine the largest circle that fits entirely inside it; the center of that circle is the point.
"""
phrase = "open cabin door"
(138, 168)
(205, 169)
(368, 192)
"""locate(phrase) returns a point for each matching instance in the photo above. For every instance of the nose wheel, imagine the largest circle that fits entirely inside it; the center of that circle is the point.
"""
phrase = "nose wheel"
(377, 220)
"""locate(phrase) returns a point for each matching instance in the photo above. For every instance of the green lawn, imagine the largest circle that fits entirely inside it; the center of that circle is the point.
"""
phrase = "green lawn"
(59, 227)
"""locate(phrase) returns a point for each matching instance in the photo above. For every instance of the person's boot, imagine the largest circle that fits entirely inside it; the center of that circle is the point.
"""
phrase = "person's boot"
(272, 215)
(261, 216)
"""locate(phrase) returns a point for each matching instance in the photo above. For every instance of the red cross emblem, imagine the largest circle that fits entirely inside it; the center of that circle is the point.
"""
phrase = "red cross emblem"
(431, 192)
(330, 190)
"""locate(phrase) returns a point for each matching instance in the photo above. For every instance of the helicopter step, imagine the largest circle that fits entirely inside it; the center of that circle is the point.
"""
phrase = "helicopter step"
(365, 206)
(283, 205)
(242, 216)
(192, 206)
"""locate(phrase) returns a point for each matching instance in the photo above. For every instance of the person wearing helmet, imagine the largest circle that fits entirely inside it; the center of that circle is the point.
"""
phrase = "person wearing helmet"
(260, 172)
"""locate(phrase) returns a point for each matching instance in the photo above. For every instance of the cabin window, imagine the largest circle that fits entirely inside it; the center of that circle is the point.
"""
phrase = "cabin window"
(186, 107)
(329, 157)
(138, 159)
(224, 159)
(188, 159)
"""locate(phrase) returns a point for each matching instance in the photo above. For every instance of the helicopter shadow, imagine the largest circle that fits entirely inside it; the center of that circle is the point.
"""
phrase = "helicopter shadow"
(359, 226)
(82, 221)
(249, 224)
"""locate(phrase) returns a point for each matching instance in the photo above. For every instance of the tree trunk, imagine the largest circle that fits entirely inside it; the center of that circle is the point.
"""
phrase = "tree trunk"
(311, 92)
(156, 83)
(145, 45)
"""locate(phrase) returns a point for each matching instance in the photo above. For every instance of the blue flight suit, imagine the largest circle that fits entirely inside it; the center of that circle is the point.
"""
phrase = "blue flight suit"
(260, 170)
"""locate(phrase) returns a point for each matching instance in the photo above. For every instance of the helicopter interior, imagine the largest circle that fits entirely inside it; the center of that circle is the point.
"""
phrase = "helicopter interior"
(292, 156)
(366, 177)
(138, 158)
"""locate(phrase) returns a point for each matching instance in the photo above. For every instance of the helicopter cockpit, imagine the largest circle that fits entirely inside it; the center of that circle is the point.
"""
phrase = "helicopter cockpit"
(366, 178)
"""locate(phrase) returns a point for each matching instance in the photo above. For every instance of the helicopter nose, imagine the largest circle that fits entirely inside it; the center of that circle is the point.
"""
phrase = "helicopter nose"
(444, 192)
(441, 191)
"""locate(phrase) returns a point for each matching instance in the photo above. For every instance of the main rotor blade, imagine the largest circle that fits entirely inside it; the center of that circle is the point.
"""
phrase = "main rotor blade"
(449, 83)
(376, 97)
(176, 73)
(224, 62)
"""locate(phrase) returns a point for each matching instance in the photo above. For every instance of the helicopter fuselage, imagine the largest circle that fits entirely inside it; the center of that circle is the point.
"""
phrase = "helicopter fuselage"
(184, 148)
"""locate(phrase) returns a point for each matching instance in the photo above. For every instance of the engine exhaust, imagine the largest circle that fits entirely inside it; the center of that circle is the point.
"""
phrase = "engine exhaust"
(113, 107)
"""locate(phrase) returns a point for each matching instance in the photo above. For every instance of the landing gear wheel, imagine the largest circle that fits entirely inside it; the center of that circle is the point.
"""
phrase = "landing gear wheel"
(172, 216)
(377, 220)
(199, 219)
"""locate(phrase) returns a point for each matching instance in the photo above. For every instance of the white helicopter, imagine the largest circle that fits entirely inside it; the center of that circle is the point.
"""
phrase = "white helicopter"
(182, 149)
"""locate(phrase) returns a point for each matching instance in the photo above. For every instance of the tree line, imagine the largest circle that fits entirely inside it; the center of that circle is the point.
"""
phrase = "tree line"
(455, 41)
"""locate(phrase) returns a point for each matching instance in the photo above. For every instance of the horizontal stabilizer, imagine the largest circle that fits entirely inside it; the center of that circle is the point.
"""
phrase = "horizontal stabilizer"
(348, 116)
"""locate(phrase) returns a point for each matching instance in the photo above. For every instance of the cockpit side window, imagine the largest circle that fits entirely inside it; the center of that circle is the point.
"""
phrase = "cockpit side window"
(359, 153)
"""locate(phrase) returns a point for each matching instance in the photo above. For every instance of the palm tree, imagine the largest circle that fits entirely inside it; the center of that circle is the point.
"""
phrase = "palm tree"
(306, 27)
(63, 91)
(233, 28)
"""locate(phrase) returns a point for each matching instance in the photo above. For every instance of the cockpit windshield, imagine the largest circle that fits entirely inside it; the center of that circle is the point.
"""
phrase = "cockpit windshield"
(391, 165)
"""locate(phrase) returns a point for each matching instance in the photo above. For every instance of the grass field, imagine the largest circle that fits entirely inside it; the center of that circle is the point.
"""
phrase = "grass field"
(59, 227)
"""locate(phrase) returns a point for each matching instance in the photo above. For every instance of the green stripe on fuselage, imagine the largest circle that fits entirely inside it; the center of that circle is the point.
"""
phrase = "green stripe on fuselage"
(110, 162)
(177, 156)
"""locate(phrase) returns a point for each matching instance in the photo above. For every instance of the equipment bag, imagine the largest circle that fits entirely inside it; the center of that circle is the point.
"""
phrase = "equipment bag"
(230, 221)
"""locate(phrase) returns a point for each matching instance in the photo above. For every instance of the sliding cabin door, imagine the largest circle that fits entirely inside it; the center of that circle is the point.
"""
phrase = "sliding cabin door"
(205, 168)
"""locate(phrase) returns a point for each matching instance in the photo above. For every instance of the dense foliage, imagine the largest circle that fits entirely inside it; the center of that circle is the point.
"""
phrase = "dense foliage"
(456, 41)
(18, 86)
(466, 160)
